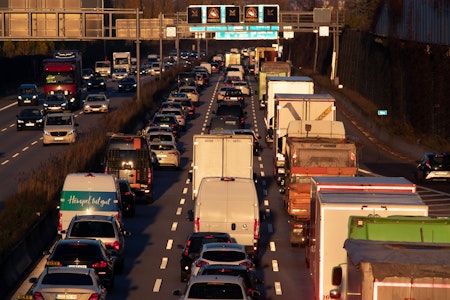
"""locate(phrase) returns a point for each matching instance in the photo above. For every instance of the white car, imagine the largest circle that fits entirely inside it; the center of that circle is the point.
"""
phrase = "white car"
(59, 128)
(191, 92)
(68, 283)
(243, 86)
(119, 73)
(166, 153)
(221, 253)
(96, 103)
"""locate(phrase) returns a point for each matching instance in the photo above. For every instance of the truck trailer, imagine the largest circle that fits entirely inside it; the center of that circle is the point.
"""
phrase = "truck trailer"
(333, 201)
(122, 60)
(395, 257)
(221, 155)
(282, 84)
(270, 68)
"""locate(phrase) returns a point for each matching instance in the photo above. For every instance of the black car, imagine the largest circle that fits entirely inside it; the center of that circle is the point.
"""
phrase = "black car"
(249, 276)
(30, 118)
(127, 84)
(234, 95)
(433, 166)
(166, 120)
(55, 103)
(193, 246)
(223, 124)
(231, 108)
(96, 83)
(128, 198)
(84, 253)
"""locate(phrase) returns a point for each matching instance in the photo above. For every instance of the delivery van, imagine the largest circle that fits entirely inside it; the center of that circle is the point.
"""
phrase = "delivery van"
(88, 194)
(229, 205)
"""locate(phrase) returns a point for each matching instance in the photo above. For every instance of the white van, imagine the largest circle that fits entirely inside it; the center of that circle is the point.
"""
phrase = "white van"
(229, 205)
(88, 194)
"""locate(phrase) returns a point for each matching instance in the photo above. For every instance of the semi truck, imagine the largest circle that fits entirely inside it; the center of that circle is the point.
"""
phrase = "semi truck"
(62, 75)
(221, 155)
(122, 60)
(394, 258)
(313, 148)
(270, 68)
(333, 200)
(282, 84)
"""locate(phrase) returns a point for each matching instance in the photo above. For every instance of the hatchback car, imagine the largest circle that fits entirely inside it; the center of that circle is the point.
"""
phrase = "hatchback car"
(243, 86)
(96, 82)
(27, 94)
(186, 104)
(231, 109)
(67, 283)
(433, 166)
(96, 103)
(214, 287)
(170, 104)
(221, 93)
(104, 228)
(128, 198)
(234, 95)
(167, 121)
(55, 103)
(30, 118)
(221, 253)
(127, 84)
(59, 128)
(249, 276)
(193, 246)
(192, 93)
(167, 153)
(84, 253)
(87, 73)
(178, 112)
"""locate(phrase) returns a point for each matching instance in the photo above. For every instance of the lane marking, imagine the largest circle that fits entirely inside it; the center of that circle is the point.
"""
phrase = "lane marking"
(273, 248)
(15, 155)
(174, 226)
(182, 201)
(277, 286)
(179, 210)
(185, 190)
(5, 162)
(163, 264)
(275, 265)
(169, 244)
(25, 149)
(157, 285)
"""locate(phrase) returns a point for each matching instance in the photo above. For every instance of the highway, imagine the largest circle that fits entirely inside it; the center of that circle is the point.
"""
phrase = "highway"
(159, 229)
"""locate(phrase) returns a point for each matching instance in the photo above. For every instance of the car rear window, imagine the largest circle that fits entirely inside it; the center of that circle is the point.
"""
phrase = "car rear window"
(161, 147)
(92, 229)
(67, 279)
(224, 123)
(225, 256)
(214, 290)
(196, 243)
(225, 110)
(160, 138)
(80, 251)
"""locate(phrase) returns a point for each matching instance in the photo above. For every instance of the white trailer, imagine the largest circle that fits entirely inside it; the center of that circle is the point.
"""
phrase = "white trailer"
(221, 155)
(122, 60)
(282, 84)
(333, 201)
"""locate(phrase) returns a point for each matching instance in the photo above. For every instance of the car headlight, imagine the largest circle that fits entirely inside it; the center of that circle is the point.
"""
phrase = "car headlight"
(20, 121)
(135, 85)
(87, 106)
(104, 106)
(71, 132)
(89, 83)
(45, 105)
(19, 97)
(102, 83)
(120, 85)
(34, 96)
(63, 105)
(39, 121)
(46, 132)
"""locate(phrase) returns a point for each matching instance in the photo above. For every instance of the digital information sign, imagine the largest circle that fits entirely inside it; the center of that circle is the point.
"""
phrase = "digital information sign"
(223, 14)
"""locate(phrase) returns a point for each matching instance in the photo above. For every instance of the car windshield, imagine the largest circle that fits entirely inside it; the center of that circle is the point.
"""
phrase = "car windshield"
(214, 290)
(30, 112)
(67, 279)
(95, 99)
(27, 91)
(55, 98)
(92, 229)
(160, 138)
(225, 256)
(59, 120)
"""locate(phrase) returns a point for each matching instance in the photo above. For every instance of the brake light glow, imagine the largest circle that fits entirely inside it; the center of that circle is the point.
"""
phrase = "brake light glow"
(114, 245)
(246, 264)
(200, 263)
(197, 224)
(94, 296)
(37, 295)
(60, 222)
(256, 229)
(101, 264)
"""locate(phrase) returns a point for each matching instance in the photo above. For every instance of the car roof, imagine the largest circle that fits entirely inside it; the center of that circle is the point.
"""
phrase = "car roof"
(59, 270)
(59, 114)
(94, 217)
(223, 246)
(216, 278)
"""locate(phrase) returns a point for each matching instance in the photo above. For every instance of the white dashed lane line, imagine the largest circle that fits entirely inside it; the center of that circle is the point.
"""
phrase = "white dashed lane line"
(169, 244)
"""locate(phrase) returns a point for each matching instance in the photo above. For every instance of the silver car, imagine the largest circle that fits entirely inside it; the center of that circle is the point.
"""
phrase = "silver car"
(179, 114)
(96, 103)
(68, 283)
(59, 128)
(166, 153)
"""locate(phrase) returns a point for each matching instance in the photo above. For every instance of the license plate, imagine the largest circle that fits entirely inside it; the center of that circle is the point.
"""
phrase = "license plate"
(164, 125)
(27, 101)
(59, 139)
(162, 155)
(65, 296)
(77, 266)
(29, 124)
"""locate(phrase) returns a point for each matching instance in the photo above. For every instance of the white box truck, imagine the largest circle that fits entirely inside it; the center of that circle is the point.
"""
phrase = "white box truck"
(282, 84)
(229, 204)
(221, 155)
(122, 60)
(333, 201)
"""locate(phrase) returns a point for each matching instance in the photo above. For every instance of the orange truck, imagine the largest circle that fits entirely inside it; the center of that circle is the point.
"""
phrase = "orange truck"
(313, 148)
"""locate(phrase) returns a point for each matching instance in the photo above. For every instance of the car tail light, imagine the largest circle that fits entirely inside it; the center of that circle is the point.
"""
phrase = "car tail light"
(114, 245)
(149, 177)
(174, 153)
(37, 295)
(153, 124)
(197, 224)
(242, 120)
(200, 263)
(256, 229)
(117, 217)
(60, 222)
(246, 264)
(101, 264)
(94, 296)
